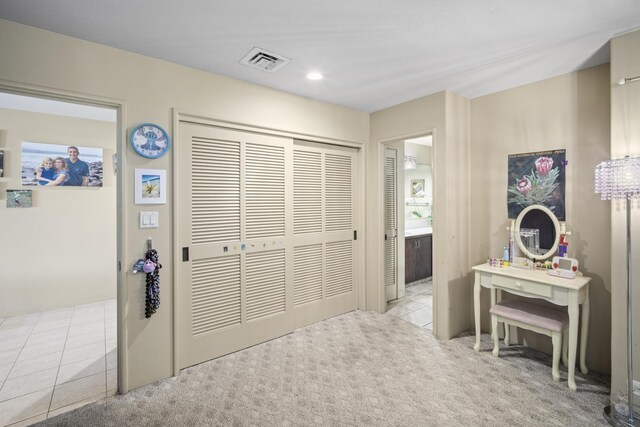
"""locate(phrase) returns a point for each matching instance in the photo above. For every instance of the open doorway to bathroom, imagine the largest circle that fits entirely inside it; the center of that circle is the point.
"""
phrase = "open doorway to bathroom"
(58, 222)
(409, 196)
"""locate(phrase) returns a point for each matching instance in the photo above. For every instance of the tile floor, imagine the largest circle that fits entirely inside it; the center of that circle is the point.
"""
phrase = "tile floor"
(55, 361)
(417, 305)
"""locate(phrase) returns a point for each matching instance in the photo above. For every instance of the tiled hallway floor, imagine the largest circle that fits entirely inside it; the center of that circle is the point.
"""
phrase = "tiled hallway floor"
(55, 361)
(417, 305)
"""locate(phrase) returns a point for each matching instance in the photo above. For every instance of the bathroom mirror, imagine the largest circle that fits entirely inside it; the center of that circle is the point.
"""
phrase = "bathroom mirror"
(540, 218)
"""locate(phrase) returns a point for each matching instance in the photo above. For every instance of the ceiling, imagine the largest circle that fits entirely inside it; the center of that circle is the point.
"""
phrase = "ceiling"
(60, 108)
(373, 53)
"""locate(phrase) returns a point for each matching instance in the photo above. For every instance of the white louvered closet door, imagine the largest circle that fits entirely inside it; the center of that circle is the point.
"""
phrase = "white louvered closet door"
(323, 228)
(390, 225)
(234, 206)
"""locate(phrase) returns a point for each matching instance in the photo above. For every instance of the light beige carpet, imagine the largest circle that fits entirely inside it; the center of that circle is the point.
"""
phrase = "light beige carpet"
(358, 369)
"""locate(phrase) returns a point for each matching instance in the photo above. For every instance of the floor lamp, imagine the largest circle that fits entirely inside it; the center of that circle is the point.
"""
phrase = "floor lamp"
(620, 179)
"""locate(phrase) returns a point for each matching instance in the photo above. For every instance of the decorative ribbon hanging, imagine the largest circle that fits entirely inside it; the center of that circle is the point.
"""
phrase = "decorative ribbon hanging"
(152, 267)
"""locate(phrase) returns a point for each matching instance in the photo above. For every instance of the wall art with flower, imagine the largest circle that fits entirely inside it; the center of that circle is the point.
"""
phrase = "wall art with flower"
(537, 179)
(150, 186)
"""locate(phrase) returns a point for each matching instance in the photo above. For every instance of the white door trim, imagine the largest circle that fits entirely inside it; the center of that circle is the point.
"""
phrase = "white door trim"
(378, 231)
(182, 115)
(121, 196)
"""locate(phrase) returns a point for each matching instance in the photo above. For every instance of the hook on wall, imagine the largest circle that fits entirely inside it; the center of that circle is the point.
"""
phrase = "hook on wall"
(139, 264)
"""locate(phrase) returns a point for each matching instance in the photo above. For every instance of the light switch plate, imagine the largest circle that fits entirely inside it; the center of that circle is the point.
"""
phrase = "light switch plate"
(149, 219)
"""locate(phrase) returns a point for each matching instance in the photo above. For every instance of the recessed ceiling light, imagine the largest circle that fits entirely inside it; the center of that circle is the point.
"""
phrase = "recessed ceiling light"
(314, 76)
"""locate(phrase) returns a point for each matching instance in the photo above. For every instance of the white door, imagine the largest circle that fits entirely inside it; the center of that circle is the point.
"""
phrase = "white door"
(254, 265)
(390, 224)
(323, 229)
(233, 194)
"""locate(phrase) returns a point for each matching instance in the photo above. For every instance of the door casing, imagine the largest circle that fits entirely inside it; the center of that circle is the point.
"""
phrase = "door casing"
(121, 197)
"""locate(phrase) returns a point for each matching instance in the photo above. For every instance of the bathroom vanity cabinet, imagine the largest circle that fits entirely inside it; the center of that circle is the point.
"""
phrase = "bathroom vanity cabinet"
(417, 257)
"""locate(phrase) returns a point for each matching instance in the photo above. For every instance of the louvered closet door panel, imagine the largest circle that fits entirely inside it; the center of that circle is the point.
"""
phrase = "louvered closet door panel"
(266, 287)
(338, 192)
(324, 249)
(390, 225)
(215, 294)
(307, 192)
(215, 175)
(339, 277)
(307, 274)
(265, 191)
(235, 199)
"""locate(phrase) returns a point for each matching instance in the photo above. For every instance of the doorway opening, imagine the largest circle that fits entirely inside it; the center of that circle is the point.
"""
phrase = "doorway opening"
(58, 210)
(409, 231)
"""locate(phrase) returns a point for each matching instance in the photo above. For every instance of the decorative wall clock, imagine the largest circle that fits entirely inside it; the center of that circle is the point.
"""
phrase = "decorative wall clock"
(149, 140)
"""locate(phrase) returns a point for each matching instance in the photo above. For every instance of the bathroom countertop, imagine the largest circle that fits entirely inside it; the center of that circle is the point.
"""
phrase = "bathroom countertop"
(413, 232)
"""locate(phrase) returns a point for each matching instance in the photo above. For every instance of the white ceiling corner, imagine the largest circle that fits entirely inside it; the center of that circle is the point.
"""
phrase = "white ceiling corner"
(373, 53)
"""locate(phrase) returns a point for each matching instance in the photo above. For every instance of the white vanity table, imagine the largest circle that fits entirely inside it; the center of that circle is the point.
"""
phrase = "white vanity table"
(537, 284)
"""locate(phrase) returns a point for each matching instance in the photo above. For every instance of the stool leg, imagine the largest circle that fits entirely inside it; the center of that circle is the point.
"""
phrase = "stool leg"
(565, 347)
(494, 330)
(556, 339)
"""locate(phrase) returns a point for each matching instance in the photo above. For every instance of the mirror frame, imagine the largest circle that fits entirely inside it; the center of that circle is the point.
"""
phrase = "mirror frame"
(556, 225)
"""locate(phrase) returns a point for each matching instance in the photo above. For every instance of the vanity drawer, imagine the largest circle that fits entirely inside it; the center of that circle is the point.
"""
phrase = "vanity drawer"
(527, 286)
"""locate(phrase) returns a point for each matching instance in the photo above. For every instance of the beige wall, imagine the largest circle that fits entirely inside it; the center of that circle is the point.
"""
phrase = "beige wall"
(422, 153)
(446, 115)
(150, 89)
(455, 191)
(62, 251)
(625, 140)
(570, 112)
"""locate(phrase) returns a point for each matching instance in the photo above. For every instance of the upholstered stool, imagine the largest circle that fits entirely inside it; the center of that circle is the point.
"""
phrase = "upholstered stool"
(543, 320)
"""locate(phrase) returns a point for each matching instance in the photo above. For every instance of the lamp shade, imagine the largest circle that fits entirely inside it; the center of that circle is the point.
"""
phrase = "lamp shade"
(618, 178)
(410, 162)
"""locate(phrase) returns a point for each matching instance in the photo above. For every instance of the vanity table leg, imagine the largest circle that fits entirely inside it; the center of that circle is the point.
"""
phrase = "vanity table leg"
(584, 332)
(494, 328)
(573, 337)
(496, 340)
(565, 347)
(476, 309)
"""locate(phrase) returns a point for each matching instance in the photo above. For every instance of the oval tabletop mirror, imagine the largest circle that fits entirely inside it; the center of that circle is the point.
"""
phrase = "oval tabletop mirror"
(537, 232)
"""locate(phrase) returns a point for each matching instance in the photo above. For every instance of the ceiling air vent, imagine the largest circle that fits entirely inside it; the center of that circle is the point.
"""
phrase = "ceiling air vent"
(264, 60)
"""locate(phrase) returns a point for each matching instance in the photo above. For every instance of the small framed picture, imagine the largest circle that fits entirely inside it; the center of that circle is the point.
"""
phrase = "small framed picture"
(417, 188)
(150, 187)
(1, 163)
(18, 198)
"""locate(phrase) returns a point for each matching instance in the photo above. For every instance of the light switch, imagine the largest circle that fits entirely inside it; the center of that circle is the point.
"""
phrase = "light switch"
(153, 219)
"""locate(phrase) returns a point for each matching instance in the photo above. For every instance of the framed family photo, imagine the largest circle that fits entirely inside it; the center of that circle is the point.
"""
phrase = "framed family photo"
(56, 165)
(150, 187)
